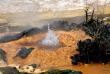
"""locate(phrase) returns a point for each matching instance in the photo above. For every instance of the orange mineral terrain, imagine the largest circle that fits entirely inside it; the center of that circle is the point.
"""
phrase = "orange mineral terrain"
(57, 57)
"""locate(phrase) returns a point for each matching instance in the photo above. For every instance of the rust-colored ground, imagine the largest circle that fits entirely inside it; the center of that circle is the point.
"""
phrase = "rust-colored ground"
(59, 58)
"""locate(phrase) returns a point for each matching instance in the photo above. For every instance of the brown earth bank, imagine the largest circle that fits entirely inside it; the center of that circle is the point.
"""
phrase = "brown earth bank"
(50, 58)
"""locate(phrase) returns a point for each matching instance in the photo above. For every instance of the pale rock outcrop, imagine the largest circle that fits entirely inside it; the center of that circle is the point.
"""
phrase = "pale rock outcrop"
(3, 21)
(28, 68)
(46, 5)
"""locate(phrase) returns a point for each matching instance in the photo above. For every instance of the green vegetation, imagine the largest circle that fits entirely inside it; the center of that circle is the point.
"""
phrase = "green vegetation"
(57, 71)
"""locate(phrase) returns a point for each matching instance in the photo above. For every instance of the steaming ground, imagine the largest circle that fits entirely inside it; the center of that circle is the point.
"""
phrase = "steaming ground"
(59, 58)
(20, 21)
(44, 58)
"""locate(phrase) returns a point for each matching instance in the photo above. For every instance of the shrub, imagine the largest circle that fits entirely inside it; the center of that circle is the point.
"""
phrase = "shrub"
(97, 49)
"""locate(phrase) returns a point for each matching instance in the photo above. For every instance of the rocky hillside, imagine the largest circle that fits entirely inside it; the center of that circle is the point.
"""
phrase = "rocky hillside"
(46, 5)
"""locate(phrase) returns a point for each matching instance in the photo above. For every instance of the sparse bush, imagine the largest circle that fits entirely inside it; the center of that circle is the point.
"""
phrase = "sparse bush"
(97, 49)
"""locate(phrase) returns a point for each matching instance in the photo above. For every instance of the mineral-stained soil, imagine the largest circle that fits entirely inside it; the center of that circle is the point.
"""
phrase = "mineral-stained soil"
(51, 58)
